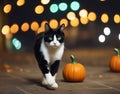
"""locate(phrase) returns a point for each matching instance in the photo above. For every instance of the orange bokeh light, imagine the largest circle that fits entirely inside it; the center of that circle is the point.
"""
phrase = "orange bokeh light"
(104, 18)
(20, 2)
(53, 23)
(75, 22)
(34, 26)
(117, 18)
(25, 27)
(14, 28)
(7, 8)
(39, 9)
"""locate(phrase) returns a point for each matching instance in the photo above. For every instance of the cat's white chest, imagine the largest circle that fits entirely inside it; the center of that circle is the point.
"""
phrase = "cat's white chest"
(52, 54)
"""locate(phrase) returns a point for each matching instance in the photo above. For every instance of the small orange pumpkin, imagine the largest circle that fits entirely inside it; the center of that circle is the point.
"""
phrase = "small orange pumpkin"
(74, 71)
(114, 63)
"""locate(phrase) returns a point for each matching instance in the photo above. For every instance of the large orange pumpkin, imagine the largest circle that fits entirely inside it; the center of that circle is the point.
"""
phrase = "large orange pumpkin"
(114, 63)
(74, 71)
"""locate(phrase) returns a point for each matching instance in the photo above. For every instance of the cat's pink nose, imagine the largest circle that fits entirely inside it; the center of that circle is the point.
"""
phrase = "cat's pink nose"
(55, 42)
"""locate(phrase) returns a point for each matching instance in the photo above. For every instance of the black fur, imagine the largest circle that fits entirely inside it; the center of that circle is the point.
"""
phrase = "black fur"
(39, 55)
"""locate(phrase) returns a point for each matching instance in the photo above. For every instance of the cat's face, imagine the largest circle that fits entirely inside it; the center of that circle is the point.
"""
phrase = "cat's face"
(54, 37)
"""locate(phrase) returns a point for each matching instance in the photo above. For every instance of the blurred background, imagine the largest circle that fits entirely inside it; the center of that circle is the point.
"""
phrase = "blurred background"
(89, 23)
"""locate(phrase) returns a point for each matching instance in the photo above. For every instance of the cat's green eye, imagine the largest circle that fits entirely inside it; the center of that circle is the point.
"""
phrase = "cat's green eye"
(59, 38)
(50, 38)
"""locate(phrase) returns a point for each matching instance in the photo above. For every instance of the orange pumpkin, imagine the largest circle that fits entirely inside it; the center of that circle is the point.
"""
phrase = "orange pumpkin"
(114, 63)
(74, 71)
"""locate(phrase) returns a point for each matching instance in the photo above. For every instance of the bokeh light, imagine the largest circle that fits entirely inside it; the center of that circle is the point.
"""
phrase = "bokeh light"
(92, 16)
(20, 2)
(16, 43)
(107, 31)
(75, 5)
(63, 6)
(71, 15)
(53, 8)
(39, 9)
(43, 23)
(14, 28)
(104, 18)
(53, 23)
(45, 2)
(25, 27)
(64, 21)
(42, 27)
(117, 18)
(84, 20)
(5, 29)
(7, 8)
(34, 26)
(101, 38)
(75, 22)
(83, 13)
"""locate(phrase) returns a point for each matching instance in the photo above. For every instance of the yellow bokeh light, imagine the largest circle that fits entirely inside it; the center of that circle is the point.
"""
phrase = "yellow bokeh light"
(84, 20)
(75, 22)
(39, 9)
(20, 2)
(117, 18)
(14, 28)
(34, 26)
(53, 23)
(83, 13)
(71, 15)
(5, 29)
(25, 27)
(45, 2)
(41, 29)
(43, 23)
(7, 8)
(104, 18)
(64, 21)
(92, 16)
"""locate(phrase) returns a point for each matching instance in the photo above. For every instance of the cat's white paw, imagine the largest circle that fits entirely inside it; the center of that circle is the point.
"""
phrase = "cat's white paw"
(44, 82)
(53, 86)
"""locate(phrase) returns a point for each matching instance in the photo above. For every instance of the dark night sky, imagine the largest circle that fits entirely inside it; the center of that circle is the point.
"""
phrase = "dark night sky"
(26, 12)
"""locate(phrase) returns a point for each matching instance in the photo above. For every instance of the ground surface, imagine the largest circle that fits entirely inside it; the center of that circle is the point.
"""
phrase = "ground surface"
(19, 74)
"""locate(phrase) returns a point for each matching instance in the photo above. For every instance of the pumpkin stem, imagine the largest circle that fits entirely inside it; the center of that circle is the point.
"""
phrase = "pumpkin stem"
(117, 51)
(73, 59)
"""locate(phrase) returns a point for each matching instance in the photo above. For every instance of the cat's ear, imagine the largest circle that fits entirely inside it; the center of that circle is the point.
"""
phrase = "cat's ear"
(47, 27)
(62, 27)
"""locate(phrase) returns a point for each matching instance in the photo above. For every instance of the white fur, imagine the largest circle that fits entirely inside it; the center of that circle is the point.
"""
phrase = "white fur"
(51, 52)
(55, 42)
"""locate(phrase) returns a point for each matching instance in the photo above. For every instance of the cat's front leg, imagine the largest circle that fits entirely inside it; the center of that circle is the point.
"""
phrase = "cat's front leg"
(51, 81)
(51, 76)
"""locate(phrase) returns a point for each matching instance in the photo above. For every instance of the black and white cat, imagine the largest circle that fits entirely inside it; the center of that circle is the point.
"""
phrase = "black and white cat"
(49, 49)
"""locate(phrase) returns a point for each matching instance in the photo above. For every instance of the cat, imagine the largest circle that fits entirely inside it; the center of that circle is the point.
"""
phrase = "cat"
(49, 49)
